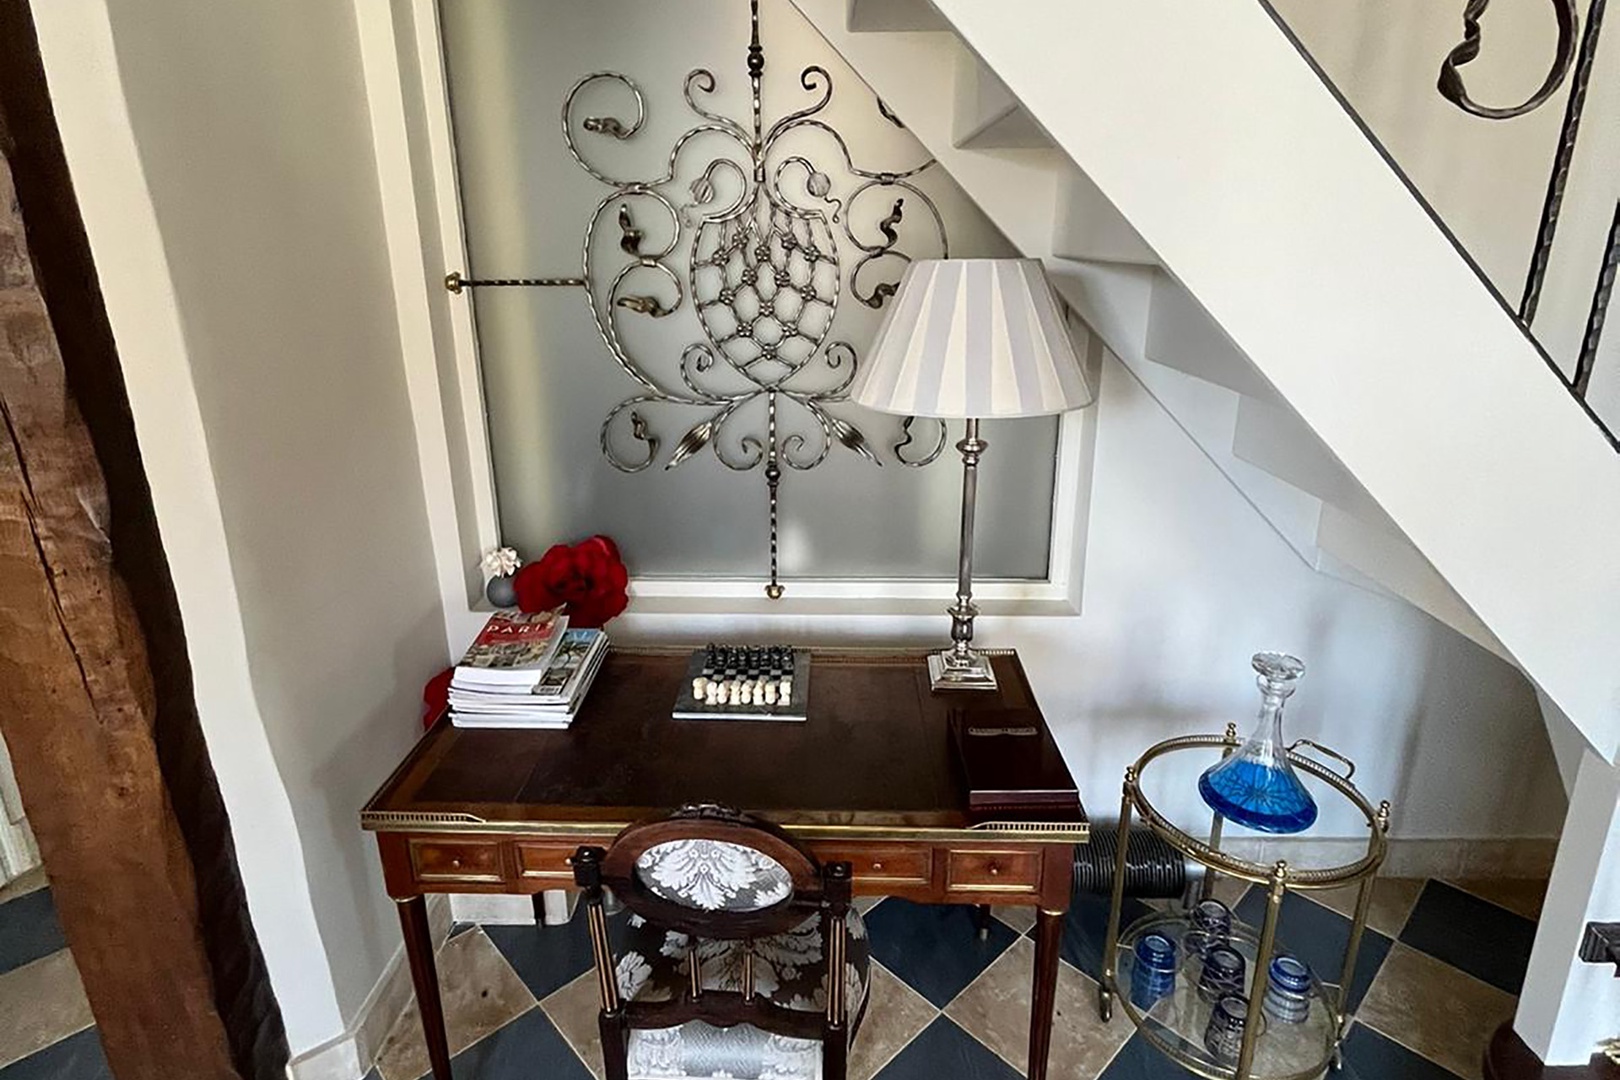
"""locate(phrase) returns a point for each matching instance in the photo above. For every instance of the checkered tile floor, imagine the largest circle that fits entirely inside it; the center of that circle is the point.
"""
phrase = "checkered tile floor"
(46, 1030)
(1441, 966)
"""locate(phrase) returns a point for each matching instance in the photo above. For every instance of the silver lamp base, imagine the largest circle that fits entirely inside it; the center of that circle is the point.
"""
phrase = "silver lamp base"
(946, 671)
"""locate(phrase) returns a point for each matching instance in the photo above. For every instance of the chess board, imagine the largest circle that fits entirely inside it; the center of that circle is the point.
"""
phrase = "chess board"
(735, 667)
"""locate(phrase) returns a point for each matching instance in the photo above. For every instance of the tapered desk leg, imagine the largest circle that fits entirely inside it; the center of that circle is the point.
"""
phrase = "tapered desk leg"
(1048, 942)
(413, 920)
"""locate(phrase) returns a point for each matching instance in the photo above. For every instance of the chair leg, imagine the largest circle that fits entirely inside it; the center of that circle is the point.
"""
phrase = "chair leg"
(984, 922)
(615, 1046)
(835, 1053)
(610, 1020)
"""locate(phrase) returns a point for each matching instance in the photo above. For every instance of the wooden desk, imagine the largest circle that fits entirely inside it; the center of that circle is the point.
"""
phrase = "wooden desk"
(870, 778)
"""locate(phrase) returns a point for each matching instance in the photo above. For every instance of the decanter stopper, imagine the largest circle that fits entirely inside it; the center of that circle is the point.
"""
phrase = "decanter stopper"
(1256, 786)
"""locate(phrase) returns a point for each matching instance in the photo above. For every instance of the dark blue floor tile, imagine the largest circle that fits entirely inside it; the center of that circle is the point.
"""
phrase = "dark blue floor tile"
(1488, 942)
(1085, 929)
(77, 1057)
(945, 1052)
(1319, 936)
(548, 958)
(1370, 1056)
(28, 930)
(457, 929)
(528, 1047)
(935, 949)
(1139, 1060)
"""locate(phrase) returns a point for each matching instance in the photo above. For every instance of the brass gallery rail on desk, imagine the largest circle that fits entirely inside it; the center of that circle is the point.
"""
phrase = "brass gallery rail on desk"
(1015, 831)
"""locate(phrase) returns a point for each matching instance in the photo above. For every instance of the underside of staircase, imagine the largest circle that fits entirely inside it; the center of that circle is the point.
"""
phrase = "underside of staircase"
(1310, 330)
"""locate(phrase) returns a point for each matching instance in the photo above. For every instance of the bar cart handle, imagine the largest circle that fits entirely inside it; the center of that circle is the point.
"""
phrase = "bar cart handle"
(1350, 766)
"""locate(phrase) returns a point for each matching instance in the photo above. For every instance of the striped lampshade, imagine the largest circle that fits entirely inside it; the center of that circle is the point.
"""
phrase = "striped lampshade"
(972, 338)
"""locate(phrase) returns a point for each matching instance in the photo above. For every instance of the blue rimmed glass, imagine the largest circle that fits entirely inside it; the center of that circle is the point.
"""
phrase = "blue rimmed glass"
(1288, 990)
(1155, 974)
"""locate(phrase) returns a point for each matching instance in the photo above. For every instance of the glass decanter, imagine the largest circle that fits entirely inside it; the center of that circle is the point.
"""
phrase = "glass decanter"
(1256, 786)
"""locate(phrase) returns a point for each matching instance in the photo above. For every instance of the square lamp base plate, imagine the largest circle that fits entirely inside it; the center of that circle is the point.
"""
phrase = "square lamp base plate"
(944, 674)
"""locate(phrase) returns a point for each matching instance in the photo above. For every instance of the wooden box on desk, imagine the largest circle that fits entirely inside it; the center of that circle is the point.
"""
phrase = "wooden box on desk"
(1010, 764)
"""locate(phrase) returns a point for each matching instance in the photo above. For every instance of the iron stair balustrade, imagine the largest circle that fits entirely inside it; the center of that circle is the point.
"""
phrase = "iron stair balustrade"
(1573, 63)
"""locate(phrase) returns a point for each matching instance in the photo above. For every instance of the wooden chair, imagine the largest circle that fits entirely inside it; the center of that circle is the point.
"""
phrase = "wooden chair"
(723, 969)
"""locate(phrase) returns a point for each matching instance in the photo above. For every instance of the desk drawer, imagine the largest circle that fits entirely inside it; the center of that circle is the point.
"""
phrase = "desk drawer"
(459, 860)
(548, 862)
(986, 870)
(886, 864)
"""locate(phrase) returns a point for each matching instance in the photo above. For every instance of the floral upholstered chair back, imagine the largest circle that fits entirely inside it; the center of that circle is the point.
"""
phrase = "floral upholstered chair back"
(741, 956)
(713, 873)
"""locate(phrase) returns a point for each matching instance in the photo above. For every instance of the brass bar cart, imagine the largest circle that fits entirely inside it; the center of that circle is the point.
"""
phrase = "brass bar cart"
(1174, 1024)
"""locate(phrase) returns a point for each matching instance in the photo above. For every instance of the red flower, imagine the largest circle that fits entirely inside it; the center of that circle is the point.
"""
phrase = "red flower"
(588, 580)
(436, 697)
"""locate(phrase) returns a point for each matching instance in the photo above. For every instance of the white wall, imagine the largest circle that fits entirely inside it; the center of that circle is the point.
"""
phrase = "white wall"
(243, 260)
(1569, 1006)
(1184, 581)
(254, 132)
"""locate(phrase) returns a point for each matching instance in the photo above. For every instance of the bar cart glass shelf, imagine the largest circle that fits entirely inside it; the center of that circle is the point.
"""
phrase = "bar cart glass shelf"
(1175, 1023)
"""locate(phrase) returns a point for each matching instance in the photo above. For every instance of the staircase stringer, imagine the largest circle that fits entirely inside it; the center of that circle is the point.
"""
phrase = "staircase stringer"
(1238, 167)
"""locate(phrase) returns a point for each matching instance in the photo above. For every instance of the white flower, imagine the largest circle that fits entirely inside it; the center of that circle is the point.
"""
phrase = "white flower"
(501, 562)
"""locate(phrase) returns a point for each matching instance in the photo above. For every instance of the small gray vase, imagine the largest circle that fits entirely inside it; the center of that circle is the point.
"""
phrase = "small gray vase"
(501, 592)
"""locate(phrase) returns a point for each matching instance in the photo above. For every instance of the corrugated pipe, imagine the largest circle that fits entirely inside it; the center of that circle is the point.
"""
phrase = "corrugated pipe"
(1153, 869)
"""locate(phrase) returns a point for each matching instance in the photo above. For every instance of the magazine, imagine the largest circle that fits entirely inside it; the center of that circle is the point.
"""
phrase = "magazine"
(518, 707)
(575, 652)
(514, 647)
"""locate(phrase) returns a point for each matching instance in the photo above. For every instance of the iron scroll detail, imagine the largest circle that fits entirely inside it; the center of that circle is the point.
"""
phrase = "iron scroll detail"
(1453, 89)
(768, 239)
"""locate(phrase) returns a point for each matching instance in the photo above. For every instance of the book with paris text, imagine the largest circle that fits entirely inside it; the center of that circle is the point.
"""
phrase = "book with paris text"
(513, 649)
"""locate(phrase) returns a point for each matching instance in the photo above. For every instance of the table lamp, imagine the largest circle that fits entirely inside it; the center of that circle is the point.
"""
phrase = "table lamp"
(970, 339)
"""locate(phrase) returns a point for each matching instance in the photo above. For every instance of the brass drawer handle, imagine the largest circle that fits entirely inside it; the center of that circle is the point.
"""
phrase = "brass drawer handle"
(877, 865)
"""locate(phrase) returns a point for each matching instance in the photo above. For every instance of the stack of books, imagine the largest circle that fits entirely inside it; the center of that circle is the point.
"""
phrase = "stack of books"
(525, 671)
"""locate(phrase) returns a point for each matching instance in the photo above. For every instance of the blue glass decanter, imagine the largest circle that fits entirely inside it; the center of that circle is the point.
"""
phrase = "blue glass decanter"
(1255, 786)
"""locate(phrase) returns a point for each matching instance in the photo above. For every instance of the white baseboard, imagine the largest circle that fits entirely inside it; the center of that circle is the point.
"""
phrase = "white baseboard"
(351, 1055)
(492, 909)
(1410, 857)
(497, 910)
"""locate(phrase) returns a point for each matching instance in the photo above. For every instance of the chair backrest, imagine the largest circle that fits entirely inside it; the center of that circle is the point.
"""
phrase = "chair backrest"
(713, 872)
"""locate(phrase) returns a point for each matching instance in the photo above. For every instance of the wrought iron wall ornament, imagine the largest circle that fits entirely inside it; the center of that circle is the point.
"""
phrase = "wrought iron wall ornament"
(760, 233)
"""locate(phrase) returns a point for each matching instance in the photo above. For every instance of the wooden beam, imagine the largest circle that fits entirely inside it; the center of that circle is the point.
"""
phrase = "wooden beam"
(77, 709)
(66, 276)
